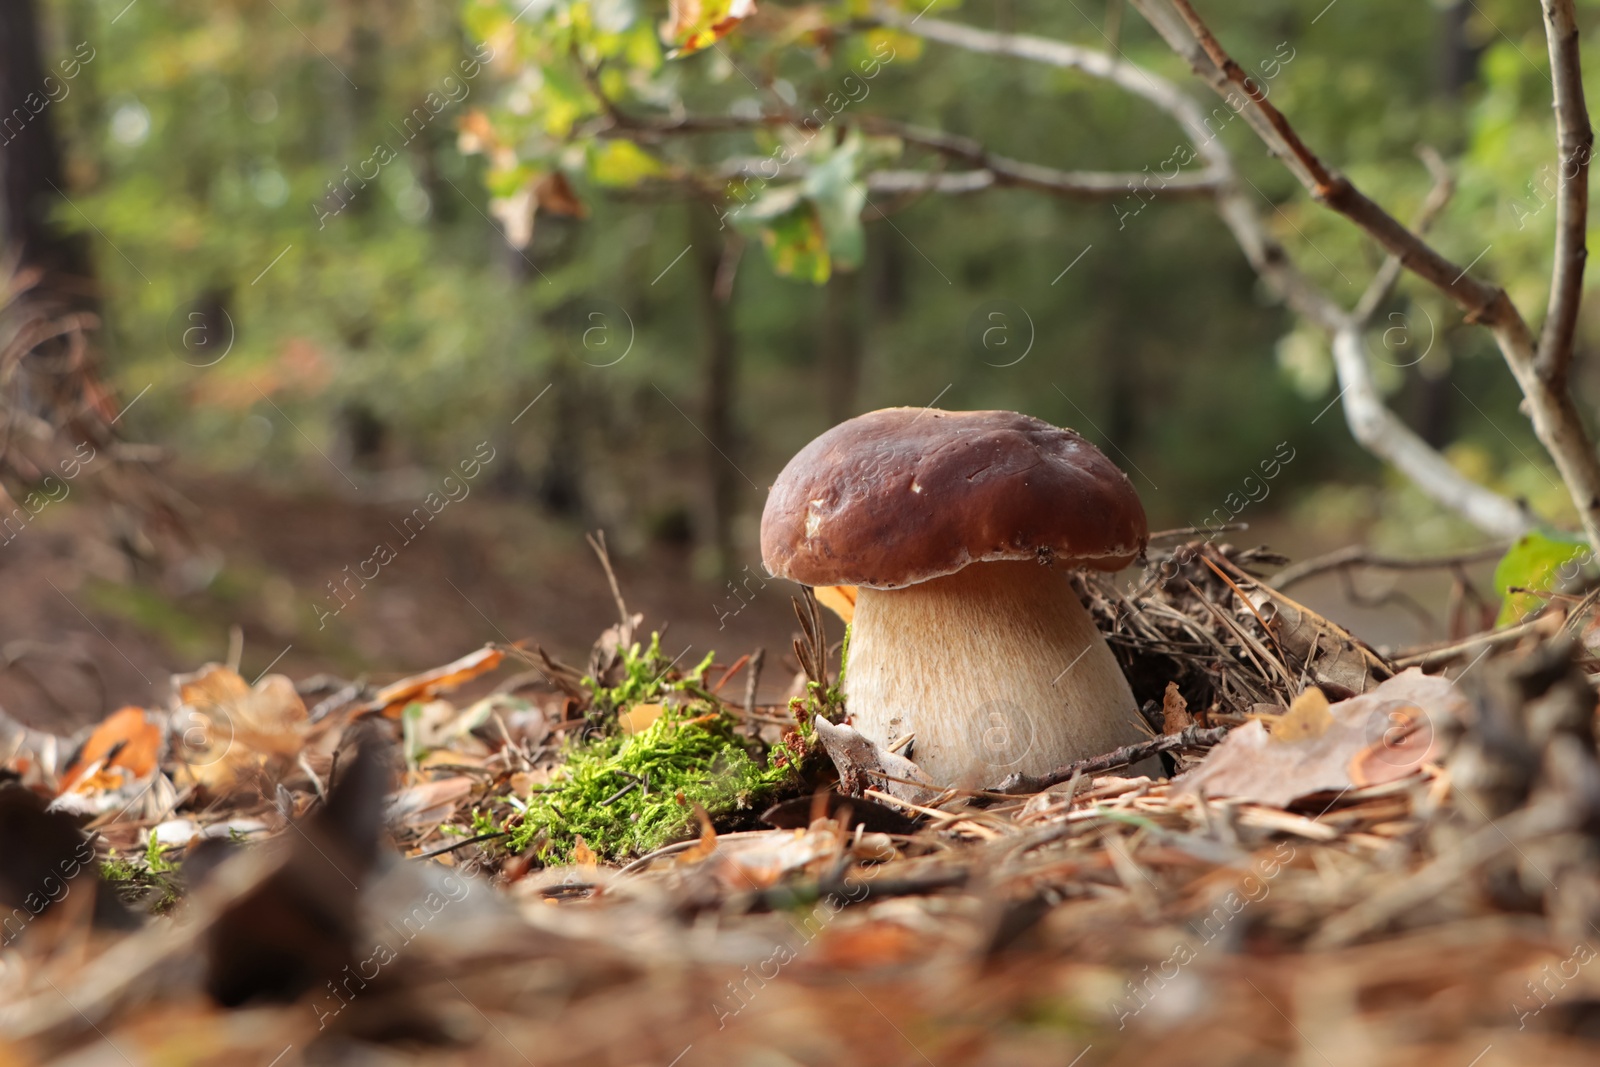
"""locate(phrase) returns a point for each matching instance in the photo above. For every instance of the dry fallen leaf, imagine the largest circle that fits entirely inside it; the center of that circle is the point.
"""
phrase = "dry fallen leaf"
(863, 764)
(392, 699)
(1175, 717)
(123, 749)
(1307, 718)
(839, 599)
(1377, 737)
(224, 727)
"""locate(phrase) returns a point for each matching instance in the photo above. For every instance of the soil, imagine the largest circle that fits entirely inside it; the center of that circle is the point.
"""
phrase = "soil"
(88, 629)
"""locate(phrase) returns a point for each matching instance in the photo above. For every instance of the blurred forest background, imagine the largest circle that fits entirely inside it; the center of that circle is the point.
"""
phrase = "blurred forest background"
(345, 251)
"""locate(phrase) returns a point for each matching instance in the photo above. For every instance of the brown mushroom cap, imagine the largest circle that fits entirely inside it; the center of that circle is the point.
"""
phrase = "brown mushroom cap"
(902, 495)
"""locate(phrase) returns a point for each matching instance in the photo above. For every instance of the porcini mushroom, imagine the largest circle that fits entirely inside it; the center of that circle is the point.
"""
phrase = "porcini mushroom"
(959, 528)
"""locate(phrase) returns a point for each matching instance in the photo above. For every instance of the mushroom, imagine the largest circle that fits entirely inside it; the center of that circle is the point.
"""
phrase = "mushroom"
(958, 528)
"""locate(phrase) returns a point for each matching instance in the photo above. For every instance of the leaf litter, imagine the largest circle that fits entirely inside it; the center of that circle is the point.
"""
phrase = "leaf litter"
(1355, 864)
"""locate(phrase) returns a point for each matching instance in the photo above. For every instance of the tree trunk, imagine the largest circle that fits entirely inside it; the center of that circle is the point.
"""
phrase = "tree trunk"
(718, 366)
(30, 162)
(840, 359)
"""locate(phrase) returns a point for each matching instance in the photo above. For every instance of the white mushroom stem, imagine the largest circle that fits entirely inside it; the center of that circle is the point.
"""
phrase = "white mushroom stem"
(996, 669)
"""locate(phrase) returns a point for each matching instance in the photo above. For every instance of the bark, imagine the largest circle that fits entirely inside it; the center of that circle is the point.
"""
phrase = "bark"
(718, 367)
(841, 345)
(30, 163)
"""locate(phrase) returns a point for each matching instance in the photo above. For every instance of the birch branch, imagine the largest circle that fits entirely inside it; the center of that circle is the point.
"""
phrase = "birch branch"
(1377, 428)
(989, 170)
(1575, 141)
(1555, 416)
(1382, 433)
(1265, 254)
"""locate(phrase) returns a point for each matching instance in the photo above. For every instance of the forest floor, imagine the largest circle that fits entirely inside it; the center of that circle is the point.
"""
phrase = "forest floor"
(306, 858)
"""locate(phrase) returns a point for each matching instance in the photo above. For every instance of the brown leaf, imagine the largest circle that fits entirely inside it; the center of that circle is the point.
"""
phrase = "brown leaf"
(1175, 717)
(225, 728)
(839, 599)
(392, 699)
(1338, 662)
(1377, 737)
(555, 195)
(1307, 718)
(123, 749)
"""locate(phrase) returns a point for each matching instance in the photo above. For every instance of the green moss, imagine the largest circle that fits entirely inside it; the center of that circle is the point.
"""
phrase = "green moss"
(115, 870)
(147, 882)
(627, 795)
(154, 861)
(647, 676)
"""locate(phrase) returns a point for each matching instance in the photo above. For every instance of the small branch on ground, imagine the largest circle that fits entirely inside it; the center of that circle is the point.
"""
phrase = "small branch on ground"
(1191, 737)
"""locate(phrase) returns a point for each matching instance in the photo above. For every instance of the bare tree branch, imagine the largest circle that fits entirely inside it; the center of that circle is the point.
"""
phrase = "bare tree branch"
(1382, 433)
(1383, 283)
(1575, 141)
(1087, 185)
(1555, 416)
(1192, 40)
(1377, 428)
(1380, 430)
(1269, 258)
(990, 170)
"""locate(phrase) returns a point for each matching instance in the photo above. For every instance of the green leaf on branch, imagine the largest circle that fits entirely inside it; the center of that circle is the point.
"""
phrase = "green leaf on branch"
(622, 164)
(797, 246)
(790, 230)
(834, 186)
(1537, 561)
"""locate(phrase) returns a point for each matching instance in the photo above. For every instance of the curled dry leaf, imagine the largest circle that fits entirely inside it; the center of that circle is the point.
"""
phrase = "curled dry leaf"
(697, 24)
(839, 599)
(1377, 737)
(224, 728)
(392, 699)
(122, 751)
(1175, 717)
(863, 764)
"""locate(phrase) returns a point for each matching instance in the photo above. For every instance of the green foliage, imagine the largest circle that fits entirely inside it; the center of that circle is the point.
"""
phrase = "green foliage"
(154, 861)
(647, 676)
(150, 879)
(1535, 562)
(209, 145)
(628, 794)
